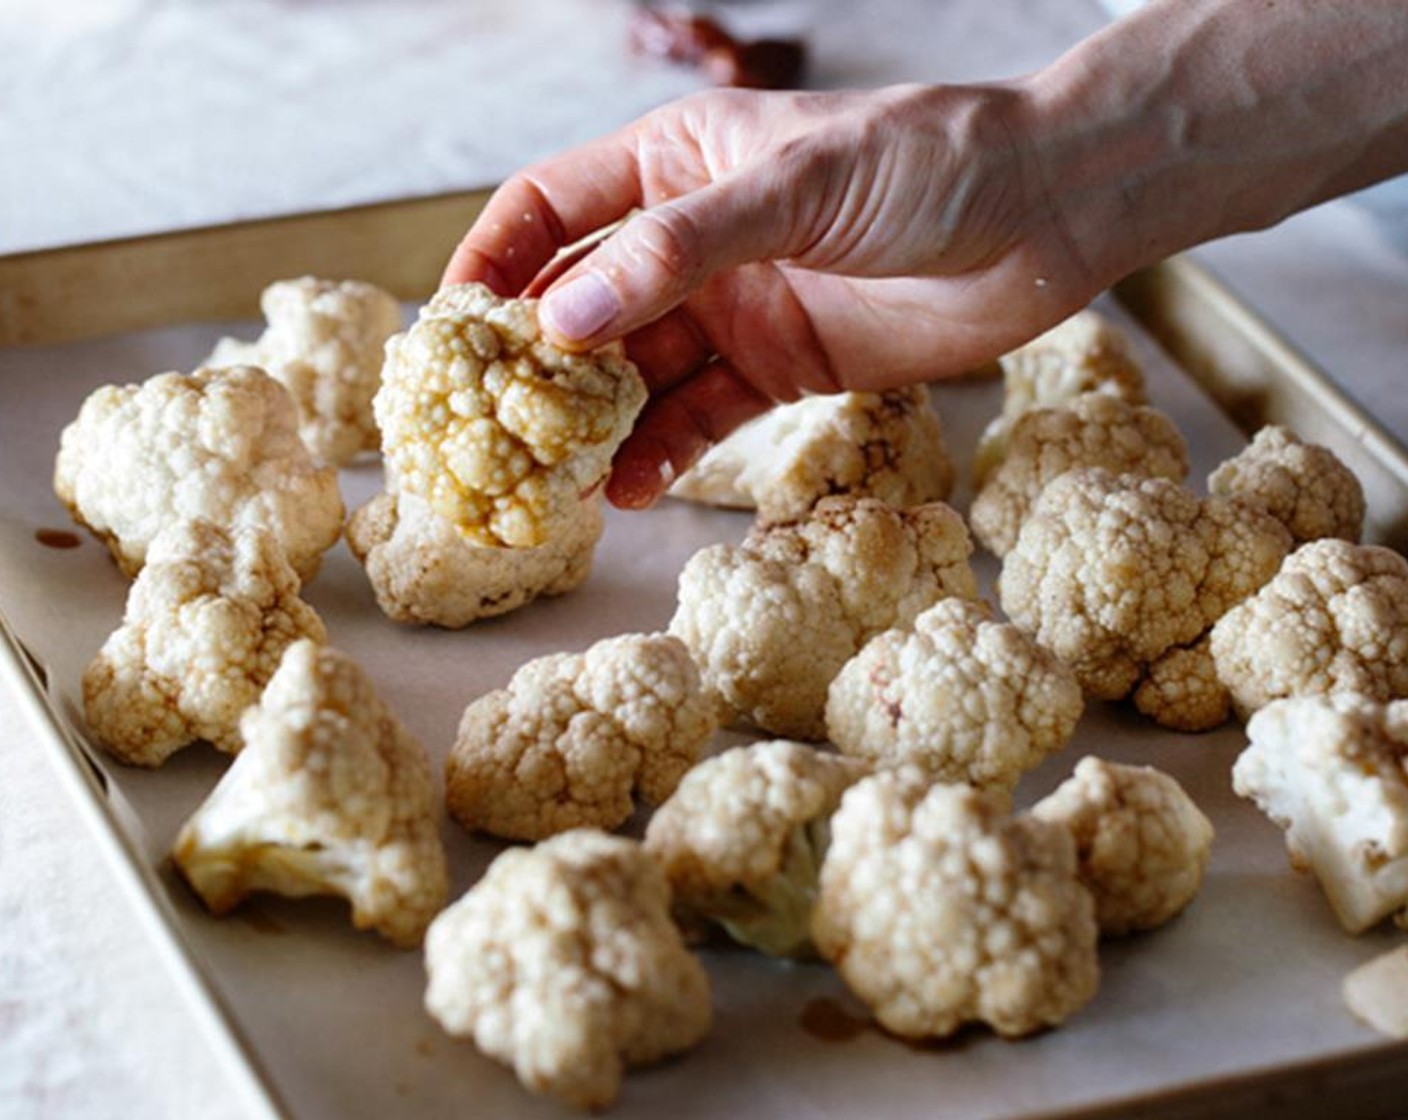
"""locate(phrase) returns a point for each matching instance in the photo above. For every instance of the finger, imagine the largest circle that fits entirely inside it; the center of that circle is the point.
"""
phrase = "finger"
(669, 349)
(665, 253)
(678, 427)
(559, 264)
(469, 265)
(545, 208)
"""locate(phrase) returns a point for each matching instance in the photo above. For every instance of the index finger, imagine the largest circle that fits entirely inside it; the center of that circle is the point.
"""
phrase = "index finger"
(545, 208)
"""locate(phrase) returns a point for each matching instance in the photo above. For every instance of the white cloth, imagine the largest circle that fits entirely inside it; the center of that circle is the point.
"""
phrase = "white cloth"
(122, 117)
(89, 1026)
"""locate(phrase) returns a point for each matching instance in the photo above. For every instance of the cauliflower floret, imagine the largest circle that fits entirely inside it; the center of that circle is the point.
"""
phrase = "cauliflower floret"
(1377, 992)
(880, 445)
(1182, 690)
(324, 343)
(1303, 485)
(574, 734)
(423, 571)
(206, 624)
(330, 795)
(938, 908)
(562, 962)
(1335, 619)
(1111, 571)
(1308, 490)
(1093, 430)
(1084, 354)
(221, 444)
(743, 838)
(1142, 843)
(772, 621)
(960, 696)
(1330, 770)
(499, 430)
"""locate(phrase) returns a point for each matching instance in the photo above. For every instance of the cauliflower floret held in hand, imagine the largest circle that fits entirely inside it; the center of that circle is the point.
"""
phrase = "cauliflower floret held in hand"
(959, 696)
(1335, 619)
(563, 962)
(1093, 430)
(743, 838)
(1142, 843)
(424, 572)
(219, 444)
(330, 796)
(878, 445)
(207, 622)
(771, 621)
(1333, 772)
(574, 735)
(939, 908)
(325, 343)
(1303, 485)
(1112, 571)
(1084, 354)
(502, 432)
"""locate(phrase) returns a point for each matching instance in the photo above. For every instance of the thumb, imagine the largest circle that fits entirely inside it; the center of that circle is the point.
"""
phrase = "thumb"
(661, 256)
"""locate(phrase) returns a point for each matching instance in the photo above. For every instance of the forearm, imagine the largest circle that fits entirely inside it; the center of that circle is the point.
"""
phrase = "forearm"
(1199, 118)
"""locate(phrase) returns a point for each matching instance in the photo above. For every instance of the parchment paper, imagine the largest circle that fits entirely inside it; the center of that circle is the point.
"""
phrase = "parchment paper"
(1247, 979)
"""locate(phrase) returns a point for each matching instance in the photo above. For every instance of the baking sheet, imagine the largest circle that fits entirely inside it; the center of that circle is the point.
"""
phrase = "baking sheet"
(1247, 979)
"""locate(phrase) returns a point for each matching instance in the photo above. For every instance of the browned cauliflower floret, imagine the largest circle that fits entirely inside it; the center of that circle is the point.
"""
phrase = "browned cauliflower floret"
(1182, 690)
(743, 838)
(1142, 843)
(938, 909)
(575, 734)
(879, 445)
(772, 621)
(207, 622)
(330, 795)
(960, 696)
(218, 444)
(499, 430)
(1333, 772)
(1084, 354)
(423, 571)
(1303, 485)
(1335, 619)
(325, 343)
(562, 962)
(1093, 430)
(1112, 571)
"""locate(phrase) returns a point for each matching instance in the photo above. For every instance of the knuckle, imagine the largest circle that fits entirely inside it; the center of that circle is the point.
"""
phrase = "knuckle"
(665, 239)
(538, 199)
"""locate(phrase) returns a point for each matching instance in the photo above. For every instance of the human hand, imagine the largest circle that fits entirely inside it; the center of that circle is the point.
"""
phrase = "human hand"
(785, 244)
(790, 243)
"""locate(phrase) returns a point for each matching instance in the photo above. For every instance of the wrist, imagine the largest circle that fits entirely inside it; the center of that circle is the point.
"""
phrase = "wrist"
(1105, 153)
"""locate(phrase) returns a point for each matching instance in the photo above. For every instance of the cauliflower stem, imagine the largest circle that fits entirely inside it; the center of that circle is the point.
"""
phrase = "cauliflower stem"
(775, 915)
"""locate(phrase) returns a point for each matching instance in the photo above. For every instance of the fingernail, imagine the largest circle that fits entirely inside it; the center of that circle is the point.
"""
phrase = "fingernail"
(581, 308)
(634, 485)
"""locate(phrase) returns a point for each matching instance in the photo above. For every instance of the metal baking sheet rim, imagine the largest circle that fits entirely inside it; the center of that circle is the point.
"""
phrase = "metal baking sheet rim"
(86, 786)
(1175, 301)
